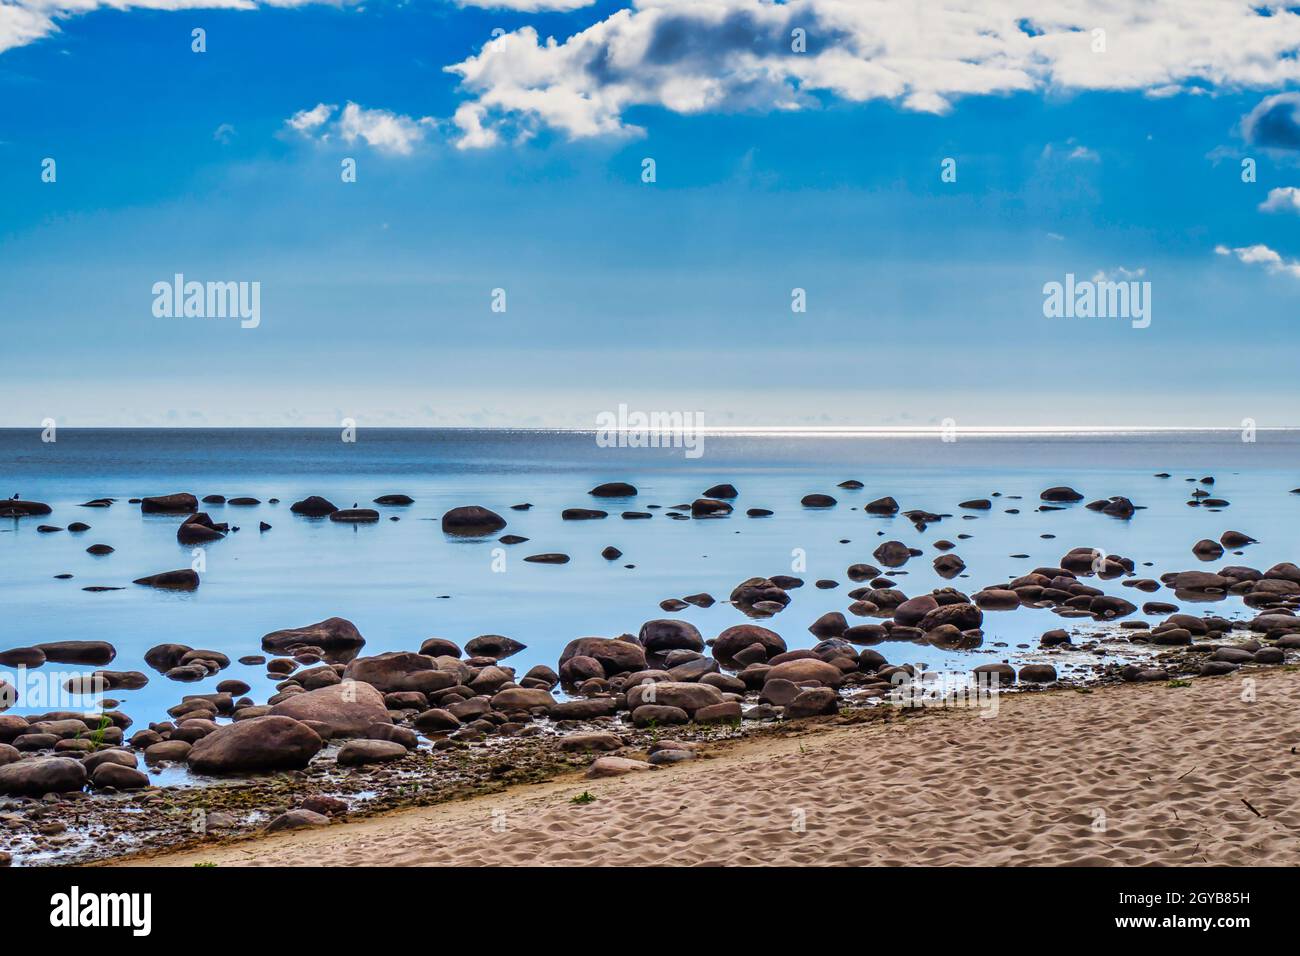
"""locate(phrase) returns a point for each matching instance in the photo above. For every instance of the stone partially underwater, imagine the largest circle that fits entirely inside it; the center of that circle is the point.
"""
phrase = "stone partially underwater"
(340, 715)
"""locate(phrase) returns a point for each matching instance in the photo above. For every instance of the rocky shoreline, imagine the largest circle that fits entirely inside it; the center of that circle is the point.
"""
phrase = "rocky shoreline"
(351, 733)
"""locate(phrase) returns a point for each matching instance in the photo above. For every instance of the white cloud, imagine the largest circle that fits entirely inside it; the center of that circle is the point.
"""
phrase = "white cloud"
(1282, 199)
(1118, 274)
(25, 21)
(690, 56)
(305, 121)
(473, 134)
(1073, 150)
(384, 131)
(527, 6)
(387, 132)
(1260, 254)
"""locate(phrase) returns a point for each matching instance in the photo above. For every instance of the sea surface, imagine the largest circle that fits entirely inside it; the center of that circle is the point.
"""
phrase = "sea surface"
(403, 581)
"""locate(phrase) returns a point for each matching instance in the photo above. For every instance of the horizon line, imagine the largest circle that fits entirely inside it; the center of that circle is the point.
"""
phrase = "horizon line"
(756, 430)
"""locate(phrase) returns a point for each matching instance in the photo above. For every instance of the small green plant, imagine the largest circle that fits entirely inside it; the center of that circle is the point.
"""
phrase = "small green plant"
(1179, 683)
(96, 736)
(583, 798)
(205, 864)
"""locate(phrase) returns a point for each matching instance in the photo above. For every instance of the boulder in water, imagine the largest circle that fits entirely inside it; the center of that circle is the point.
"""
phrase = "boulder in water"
(472, 521)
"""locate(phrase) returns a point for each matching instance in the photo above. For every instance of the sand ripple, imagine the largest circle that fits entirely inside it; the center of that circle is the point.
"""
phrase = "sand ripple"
(1128, 775)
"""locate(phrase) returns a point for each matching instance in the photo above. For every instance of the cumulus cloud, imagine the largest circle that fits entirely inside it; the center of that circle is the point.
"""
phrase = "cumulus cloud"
(387, 132)
(1260, 254)
(384, 131)
(1275, 122)
(307, 121)
(1282, 199)
(691, 56)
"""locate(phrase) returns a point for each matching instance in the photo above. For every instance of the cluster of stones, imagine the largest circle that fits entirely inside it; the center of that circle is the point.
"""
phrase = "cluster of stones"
(376, 709)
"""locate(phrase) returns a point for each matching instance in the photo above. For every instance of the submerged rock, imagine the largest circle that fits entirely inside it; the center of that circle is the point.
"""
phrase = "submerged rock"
(179, 503)
(550, 557)
(892, 554)
(78, 652)
(949, 565)
(313, 506)
(494, 646)
(331, 634)
(16, 508)
(1235, 539)
(754, 591)
(817, 501)
(472, 521)
(1061, 493)
(199, 528)
(182, 580)
(1207, 550)
(22, 657)
(355, 515)
(614, 489)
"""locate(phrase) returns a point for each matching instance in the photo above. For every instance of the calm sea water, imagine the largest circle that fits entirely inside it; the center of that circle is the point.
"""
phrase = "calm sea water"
(388, 578)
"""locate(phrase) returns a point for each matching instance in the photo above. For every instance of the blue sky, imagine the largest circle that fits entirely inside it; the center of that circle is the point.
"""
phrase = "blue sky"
(521, 170)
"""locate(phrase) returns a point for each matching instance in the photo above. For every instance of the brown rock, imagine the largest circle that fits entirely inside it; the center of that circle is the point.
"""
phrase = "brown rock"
(263, 743)
(347, 708)
(615, 767)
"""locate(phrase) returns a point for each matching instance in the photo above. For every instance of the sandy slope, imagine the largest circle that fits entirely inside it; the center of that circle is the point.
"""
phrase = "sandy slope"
(1167, 767)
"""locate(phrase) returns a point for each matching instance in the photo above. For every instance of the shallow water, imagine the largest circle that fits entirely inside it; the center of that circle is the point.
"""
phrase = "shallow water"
(388, 578)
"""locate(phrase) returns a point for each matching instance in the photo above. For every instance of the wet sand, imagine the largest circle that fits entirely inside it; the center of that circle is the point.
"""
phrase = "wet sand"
(1205, 774)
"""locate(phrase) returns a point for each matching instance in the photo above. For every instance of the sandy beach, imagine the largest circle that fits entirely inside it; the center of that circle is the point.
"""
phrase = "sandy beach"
(1205, 774)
